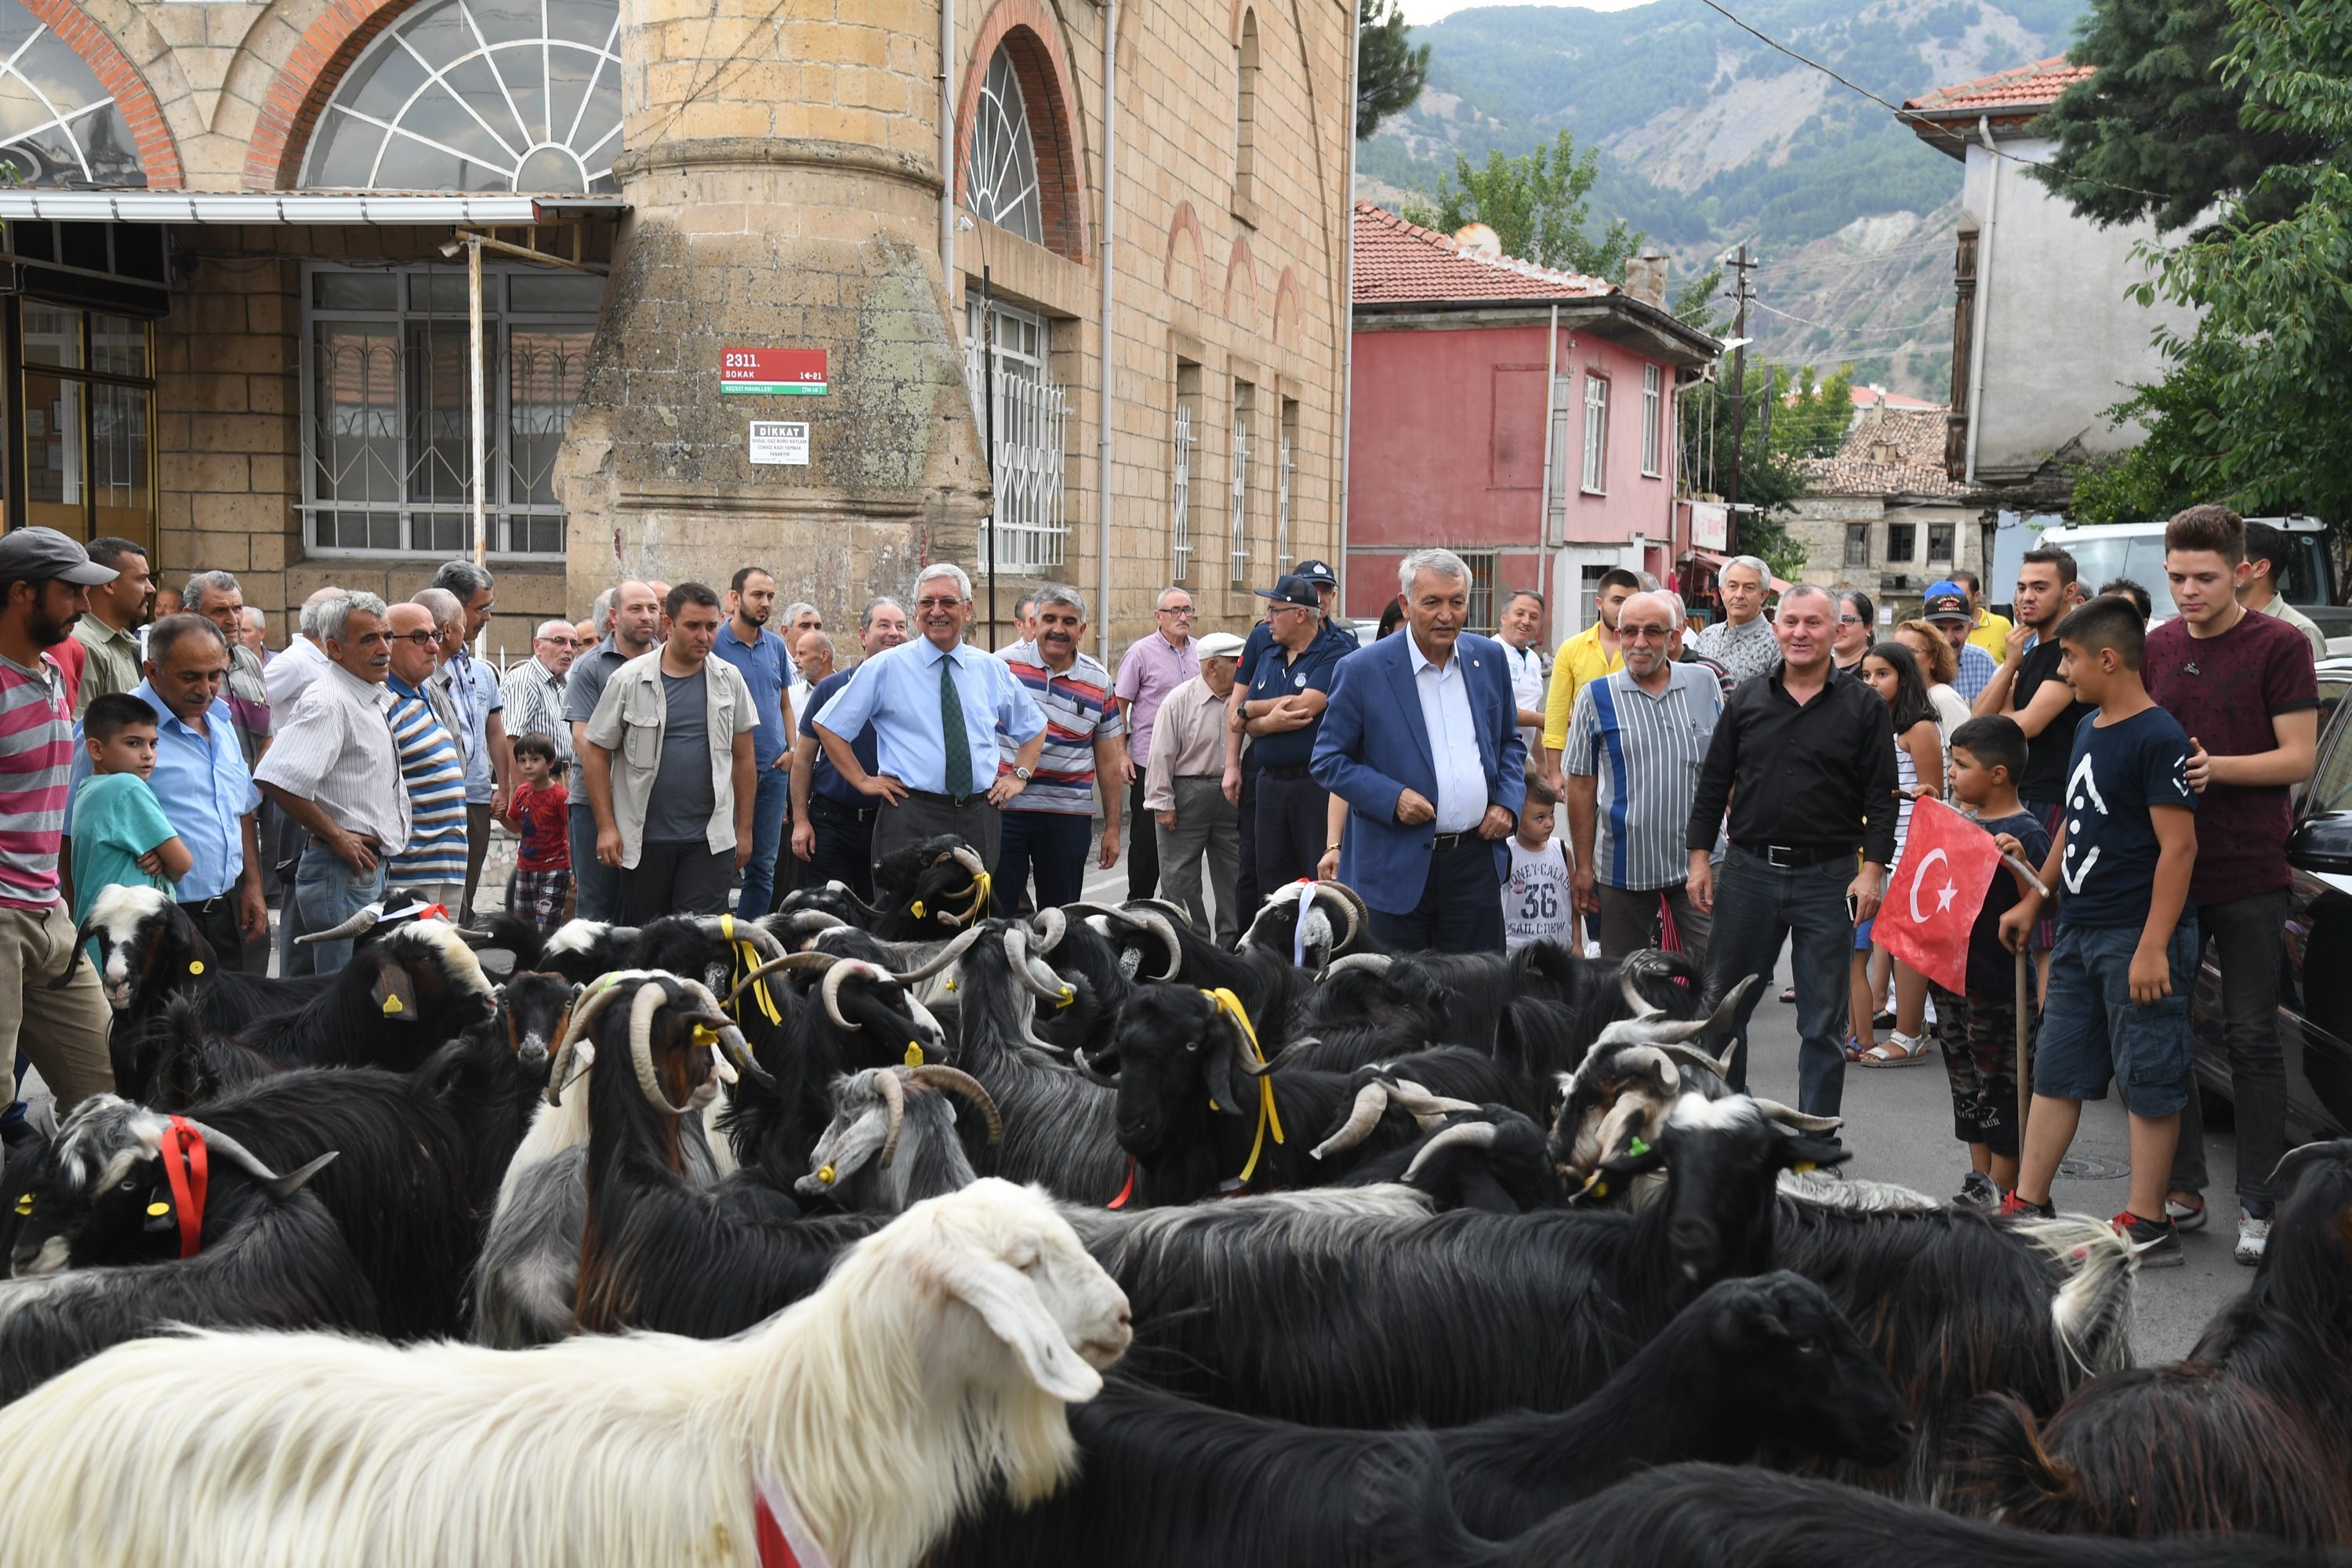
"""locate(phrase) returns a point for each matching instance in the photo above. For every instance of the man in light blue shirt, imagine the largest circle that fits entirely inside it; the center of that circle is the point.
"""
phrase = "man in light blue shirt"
(936, 706)
(759, 657)
(206, 791)
(473, 687)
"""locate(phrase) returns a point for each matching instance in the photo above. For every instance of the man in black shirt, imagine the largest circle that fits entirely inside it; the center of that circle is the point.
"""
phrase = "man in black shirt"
(2028, 687)
(1805, 759)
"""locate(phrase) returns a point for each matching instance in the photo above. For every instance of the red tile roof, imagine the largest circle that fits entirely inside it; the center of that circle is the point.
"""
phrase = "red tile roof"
(2021, 86)
(1916, 443)
(1399, 262)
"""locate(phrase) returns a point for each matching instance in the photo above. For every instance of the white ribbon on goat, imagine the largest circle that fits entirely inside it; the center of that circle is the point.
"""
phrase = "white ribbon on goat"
(1299, 935)
(782, 1535)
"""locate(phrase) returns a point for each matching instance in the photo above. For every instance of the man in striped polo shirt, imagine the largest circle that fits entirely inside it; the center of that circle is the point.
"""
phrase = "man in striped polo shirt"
(1048, 825)
(432, 865)
(1634, 745)
(45, 580)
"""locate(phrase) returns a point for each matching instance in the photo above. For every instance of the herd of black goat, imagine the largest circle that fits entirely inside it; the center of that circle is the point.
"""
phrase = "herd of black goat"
(1431, 1260)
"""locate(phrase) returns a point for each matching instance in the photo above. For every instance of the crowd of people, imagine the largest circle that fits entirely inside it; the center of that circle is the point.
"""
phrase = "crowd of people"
(1726, 794)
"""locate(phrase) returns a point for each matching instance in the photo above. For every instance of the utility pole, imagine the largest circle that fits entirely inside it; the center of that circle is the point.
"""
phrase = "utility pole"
(1741, 295)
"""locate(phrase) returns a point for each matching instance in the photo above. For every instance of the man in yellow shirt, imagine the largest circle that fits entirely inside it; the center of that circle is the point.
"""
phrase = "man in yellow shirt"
(1988, 631)
(1588, 656)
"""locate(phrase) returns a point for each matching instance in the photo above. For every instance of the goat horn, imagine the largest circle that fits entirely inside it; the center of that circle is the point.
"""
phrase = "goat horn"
(1259, 1069)
(575, 1031)
(1052, 925)
(945, 958)
(1370, 963)
(731, 1045)
(1461, 1134)
(1371, 1100)
(648, 1001)
(228, 1148)
(1159, 925)
(1714, 1023)
(1798, 1119)
(1352, 905)
(1124, 917)
(1016, 950)
(2294, 1159)
(1670, 1077)
(1691, 1056)
(956, 1080)
(804, 925)
(831, 990)
(894, 1095)
(965, 855)
(358, 925)
(1643, 1008)
(1424, 1107)
(790, 961)
(1092, 1073)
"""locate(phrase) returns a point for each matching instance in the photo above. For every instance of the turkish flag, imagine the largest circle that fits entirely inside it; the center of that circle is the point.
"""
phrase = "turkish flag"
(1948, 865)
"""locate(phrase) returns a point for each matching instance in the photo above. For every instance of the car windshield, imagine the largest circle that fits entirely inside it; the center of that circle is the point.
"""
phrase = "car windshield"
(2101, 558)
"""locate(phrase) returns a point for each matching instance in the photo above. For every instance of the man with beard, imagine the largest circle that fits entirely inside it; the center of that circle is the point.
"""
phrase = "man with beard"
(631, 616)
(1046, 828)
(109, 632)
(761, 658)
(832, 824)
(50, 1005)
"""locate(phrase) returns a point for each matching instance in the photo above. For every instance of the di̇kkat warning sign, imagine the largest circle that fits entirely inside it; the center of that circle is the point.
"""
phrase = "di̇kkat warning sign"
(777, 373)
(784, 441)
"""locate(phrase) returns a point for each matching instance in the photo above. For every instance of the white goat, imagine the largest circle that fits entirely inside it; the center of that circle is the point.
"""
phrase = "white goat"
(931, 1370)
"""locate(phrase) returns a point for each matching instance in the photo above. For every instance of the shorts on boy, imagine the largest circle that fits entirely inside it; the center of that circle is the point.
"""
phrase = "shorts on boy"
(1978, 1034)
(538, 895)
(2092, 1030)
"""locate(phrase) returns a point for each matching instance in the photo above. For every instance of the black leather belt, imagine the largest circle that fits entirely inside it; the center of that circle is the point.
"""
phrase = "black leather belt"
(1795, 857)
(831, 807)
(206, 906)
(952, 802)
(1455, 840)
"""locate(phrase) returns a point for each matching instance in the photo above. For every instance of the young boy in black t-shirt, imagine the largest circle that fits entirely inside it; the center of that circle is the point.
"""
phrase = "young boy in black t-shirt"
(1978, 1032)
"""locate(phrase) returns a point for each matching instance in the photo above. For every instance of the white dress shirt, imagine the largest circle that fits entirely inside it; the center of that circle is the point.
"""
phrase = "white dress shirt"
(1526, 665)
(1453, 740)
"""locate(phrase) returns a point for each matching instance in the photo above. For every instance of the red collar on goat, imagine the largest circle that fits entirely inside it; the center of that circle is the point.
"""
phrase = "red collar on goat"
(187, 1166)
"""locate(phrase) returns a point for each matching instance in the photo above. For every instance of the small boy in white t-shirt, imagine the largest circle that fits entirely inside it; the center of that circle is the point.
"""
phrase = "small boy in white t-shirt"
(1536, 903)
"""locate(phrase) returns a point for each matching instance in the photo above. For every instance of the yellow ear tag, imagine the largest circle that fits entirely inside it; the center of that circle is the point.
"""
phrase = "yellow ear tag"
(195, 966)
(704, 1035)
(390, 1006)
(951, 985)
(918, 911)
(159, 1210)
(24, 1203)
(914, 1054)
(825, 1174)
(1600, 1189)
(1069, 995)
(1801, 1166)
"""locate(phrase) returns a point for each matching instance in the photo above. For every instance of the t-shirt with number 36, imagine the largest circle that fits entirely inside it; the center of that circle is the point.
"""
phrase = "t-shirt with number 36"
(1536, 903)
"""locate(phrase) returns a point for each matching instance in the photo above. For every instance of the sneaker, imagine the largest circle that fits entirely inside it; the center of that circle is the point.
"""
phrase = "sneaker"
(2185, 1216)
(2254, 1235)
(1977, 1191)
(2156, 1243)
(2014, 1207)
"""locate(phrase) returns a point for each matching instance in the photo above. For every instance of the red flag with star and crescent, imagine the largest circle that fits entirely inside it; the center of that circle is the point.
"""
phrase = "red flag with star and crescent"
(1939, 884)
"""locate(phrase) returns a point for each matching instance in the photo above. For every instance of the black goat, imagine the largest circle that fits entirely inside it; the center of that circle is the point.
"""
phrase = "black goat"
(2253, 1432)
(856, 1164)
(1693, 1514)
(922, 892)
(1336, 925)
(111, 1247)
(397, 1001)
(1754, 1368)
(1089, 965)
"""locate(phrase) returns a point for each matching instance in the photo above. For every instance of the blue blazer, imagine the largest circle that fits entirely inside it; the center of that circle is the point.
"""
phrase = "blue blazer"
(1373, 747)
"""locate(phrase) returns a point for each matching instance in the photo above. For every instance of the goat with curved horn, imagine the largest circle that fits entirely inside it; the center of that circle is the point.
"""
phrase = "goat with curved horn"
(830, 991)
(1715, 1023)
(1643, 1008)
(1093, 1073)
(1016, 951)
(1461, 1136)
(955, 1080)
(358, 923)
(647, 1002)
(1050, 925)
(894, 1095)
(1798, 1120)
(1160, 926)
(575, 1031)
(1358, 913)
(788, 962)
(945, 958)
(1371, 1103)
(1370, 963)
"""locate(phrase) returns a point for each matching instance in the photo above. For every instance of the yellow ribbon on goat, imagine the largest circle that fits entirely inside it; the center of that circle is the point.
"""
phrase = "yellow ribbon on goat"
(747, 959)
(1268, 1116)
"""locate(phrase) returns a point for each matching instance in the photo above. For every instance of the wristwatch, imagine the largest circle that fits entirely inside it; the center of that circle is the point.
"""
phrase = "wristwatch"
(1021, 773)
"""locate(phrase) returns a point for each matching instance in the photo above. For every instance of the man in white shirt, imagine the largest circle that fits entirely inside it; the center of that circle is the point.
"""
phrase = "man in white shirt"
(1521, 633)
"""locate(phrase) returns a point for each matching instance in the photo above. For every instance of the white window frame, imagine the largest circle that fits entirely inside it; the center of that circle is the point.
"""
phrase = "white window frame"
(499, 324)
(1001, 178)
(1286, 463)
(1237, 495)
(1653, 407)
(1183, 428)
(1028, 529)
(1596, 433)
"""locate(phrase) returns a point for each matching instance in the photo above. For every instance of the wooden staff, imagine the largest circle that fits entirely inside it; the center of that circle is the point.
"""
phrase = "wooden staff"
(2024, 1063)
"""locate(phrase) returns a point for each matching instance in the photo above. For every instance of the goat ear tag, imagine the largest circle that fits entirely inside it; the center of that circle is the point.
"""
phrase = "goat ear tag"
(157, 1211)
(1801, 1166)
(390, 1006)
(914, 1054)
(24, 1203)
(917, 910)
(195, 966)
(1637, 1146)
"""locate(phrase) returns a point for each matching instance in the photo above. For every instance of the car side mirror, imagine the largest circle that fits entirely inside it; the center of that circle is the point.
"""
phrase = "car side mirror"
(2323, 844)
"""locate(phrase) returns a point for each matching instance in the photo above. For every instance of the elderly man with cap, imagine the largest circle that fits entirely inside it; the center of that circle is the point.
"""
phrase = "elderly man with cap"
(50, 1005)
(1281, 713)
(1242, 765)
(1947, 606)
(1182, 787)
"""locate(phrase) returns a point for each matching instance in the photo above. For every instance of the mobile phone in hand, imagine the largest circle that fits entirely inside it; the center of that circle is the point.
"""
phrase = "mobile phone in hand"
(1852, 909)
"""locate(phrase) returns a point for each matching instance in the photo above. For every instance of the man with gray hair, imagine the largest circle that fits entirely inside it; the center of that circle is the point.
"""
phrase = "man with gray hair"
(1422, 740)
(533, 690)
(216, 597)
(285, 678)
(1024, 624)
(1743, 641)
(336, 771)
(1047, 828)
(473, 685)
(936, 705)
(1154, 665)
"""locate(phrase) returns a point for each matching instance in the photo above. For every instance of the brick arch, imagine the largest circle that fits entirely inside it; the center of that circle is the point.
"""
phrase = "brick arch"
(1241, 278)
(1186, 223)
(159, 155)
(298, 94)
(1027, 28)
(1287, 308)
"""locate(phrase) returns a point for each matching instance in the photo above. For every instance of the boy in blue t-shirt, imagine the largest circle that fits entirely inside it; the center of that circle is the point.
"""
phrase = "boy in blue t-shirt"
(120, 837)
(1978, 1032)
(2127, 954)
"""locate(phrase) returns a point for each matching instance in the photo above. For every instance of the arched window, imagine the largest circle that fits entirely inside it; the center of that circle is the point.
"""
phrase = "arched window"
(1000, 180)
(58, 125)
(481, 95)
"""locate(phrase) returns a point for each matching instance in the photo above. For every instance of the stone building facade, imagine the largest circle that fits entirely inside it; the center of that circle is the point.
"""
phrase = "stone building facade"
(1882, 516)
(240, 328)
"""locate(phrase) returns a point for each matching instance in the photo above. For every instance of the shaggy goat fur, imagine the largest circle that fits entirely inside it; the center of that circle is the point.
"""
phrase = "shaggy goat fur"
(929, 1373)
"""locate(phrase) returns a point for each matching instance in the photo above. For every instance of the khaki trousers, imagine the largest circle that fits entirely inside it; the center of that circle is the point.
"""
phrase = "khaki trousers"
(64, 1031)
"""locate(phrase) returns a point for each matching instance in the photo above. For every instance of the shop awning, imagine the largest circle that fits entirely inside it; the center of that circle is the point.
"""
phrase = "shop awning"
(262, 207)
(1713, 562)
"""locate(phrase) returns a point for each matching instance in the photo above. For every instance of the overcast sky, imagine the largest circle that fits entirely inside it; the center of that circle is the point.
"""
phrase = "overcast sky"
(1431, 10)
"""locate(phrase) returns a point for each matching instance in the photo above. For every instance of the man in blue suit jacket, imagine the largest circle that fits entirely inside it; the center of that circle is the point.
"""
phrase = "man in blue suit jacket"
(1422, 740)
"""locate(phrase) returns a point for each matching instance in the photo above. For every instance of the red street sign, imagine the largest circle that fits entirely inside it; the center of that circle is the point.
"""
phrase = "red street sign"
(786, 372)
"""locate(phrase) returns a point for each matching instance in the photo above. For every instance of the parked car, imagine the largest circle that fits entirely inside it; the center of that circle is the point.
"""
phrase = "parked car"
(2315, 957)
(2106, 550)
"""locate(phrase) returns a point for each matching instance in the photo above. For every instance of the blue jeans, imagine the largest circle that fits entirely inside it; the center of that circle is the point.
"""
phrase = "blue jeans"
(767, 809)
(2092, 1030)
(331, 892)
(1756, 907)
(1054, 845)
(596, 884)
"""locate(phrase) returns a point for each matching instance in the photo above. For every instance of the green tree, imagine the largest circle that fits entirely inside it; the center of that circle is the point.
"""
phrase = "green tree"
(1391, 69)
(1538, 205)
(2161, 131)
(1788, 416)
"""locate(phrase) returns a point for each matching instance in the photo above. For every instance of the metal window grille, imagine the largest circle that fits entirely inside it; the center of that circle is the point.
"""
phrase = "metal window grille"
(1484, 566)
(1239, 492)
(1939, 541)
(1179, 489)
(1028, 531)
(1900, 539)
(1284, 464)
(1651, 400)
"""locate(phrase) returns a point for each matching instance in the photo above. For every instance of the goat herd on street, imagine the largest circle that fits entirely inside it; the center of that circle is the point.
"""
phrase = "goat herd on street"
(881, 1235)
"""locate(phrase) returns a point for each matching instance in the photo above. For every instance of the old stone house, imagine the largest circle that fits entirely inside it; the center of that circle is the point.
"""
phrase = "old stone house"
(239, 324)
(1882, 515)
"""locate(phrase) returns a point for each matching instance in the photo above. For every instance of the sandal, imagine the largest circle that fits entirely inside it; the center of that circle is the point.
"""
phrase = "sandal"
(1852, 1049)
(1789, 995)
(1894, 1054)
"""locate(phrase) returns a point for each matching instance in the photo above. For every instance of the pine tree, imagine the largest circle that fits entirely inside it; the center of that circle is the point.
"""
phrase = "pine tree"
(1390, 70)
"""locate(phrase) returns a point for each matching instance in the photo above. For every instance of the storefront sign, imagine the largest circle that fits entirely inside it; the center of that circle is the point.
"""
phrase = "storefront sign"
(786, 373)
(1708, 519)
(780, 441)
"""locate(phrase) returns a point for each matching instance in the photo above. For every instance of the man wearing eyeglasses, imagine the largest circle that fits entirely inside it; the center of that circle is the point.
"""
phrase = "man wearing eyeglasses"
(1154, 666)
(1635, 742)
(432, 768)
(533, 690)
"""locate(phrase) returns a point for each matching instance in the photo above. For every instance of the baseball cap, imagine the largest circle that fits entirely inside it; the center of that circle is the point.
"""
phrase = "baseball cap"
(37, 554)
(1219, 644)
(1295, 589)
(1317, 572)
(1947, 601)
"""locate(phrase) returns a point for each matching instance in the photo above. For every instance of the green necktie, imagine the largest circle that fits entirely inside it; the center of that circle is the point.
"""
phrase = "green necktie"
(951, 731)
